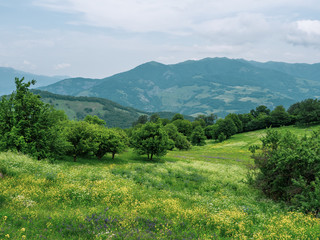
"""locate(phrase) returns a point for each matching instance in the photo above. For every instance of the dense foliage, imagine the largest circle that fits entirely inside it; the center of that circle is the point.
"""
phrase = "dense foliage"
(289, 169)
(28, 125)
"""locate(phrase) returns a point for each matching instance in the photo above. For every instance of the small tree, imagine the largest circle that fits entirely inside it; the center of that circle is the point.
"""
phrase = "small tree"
(150, 139)
(80, 136)
(198, 137)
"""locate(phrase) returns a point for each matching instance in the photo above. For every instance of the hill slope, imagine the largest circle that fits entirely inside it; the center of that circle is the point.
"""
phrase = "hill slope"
(196, 194)
(113, 113)
(217, 85)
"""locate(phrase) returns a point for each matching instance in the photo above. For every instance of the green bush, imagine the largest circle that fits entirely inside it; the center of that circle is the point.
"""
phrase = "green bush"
(288, 169)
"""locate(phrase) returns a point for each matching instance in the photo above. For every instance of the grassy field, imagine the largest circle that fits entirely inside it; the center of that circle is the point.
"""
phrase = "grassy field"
(196, 194)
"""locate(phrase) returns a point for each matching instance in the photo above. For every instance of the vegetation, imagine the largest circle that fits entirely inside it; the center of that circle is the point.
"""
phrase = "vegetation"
(196, 194)
(289, 169)
(202, 193)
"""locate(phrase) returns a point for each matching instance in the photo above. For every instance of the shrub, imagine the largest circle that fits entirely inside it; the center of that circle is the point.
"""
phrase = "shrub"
(289, 169)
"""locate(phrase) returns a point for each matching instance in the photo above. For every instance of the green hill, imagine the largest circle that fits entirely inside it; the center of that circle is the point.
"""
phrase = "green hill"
(196, 194)
(218, 85)
(114, 114)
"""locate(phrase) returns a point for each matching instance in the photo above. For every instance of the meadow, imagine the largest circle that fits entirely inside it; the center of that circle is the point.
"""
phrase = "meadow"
(197, 194)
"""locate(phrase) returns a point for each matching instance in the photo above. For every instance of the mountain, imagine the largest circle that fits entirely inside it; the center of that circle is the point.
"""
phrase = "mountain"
(7, 76)
(113, 113)
(218, 85)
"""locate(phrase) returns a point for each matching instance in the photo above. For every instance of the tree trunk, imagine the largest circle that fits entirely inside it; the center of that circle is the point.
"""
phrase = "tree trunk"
(74, 157)
(113, 155)
(151, 156)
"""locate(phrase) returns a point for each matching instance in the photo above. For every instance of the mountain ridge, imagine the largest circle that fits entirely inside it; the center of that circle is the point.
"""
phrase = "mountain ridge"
(218, 85)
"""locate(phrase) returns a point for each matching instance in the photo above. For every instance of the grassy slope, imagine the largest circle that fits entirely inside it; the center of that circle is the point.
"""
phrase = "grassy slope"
(197, 194)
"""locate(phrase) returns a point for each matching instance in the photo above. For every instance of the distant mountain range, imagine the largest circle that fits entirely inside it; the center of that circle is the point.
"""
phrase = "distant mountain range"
(218, 85)
(7, 76)
(113, 113)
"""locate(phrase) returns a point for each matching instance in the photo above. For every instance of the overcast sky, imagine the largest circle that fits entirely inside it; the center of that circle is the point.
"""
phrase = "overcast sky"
(98, 38)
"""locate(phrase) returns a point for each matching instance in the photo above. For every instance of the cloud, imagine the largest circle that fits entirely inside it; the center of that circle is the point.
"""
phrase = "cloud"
(305, 32)
(62, 66)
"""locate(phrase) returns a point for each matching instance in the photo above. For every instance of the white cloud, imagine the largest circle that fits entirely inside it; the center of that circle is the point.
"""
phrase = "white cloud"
(62, 66)
(305, 32)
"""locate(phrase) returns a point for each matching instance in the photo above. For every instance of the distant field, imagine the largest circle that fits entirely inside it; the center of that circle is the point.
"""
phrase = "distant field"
(196, 194)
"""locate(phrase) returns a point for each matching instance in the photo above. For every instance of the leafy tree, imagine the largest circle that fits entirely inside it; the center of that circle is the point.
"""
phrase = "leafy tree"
(236, 120)
(154, 117)
(117, 141)
(210, 131)
(280, 117)
(150, 139)
(289, 169)
(94, 120)
(177, 116)
(184, 127)
(28, 125)
(198, 137)
(180, 141)
(142, 119)
(225, 126)
(199, 122)
(306, 111)
(245, 118)
(260, 109)
(80, 136)
(208, 119)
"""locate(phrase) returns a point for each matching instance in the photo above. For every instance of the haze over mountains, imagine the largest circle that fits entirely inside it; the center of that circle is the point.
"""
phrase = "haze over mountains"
(7, 76)
(218, 85)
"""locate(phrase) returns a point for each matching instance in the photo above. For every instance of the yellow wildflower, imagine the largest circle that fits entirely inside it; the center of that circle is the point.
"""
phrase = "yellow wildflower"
(5, 218)
(23, 229)
(8, 236)
(23, 237)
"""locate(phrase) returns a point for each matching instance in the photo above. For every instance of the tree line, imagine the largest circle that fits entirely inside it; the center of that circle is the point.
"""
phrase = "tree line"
(32, 127)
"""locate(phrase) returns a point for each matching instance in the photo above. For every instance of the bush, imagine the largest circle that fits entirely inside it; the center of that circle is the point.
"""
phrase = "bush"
(289, 169)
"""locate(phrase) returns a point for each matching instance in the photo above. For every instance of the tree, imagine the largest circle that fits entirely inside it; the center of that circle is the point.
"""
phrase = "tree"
(117, 141)
(184, 127)
(198, 137)
(306, 111)
(180, 141)
(80, 136)
(142, 119)
(28, 125)
(177, 116)
(289, 168)
(94, 120)
(280, 117)
(234, 117)
(154, 117)
(208, 119)
(150, 139)
(225, 126)
(260, 109)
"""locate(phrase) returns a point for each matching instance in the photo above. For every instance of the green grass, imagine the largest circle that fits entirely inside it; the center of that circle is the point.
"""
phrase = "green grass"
(196, 194)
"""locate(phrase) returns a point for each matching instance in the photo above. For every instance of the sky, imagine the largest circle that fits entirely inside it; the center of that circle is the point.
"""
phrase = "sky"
(99, 38)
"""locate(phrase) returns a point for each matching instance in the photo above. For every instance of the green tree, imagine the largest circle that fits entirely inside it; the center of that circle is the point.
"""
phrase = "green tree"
(177, 116)
(208, 119)
(150, 139)
(225, 126)
(198, 137)
(80, 136)
(142, 119)
(94, 120)
(236, 120)
(154, 117)
(280, 117)
(289, 168)
(180, 141)
(28, 125)
(184, 127)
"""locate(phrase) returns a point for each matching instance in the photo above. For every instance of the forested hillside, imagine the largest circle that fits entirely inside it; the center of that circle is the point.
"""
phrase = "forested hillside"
(211, 85)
